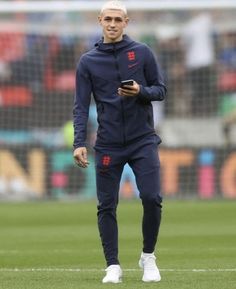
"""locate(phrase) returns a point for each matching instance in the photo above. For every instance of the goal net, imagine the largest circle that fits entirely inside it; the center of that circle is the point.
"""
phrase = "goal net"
(40, 45)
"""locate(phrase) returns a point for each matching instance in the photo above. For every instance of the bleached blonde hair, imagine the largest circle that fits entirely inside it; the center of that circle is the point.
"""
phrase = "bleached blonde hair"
(114, 5)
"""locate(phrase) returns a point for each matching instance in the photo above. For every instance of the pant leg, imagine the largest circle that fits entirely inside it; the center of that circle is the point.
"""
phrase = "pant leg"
(109, 168)
(146, 166)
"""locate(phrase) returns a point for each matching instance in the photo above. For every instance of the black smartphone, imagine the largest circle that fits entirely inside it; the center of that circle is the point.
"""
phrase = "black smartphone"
(127, 82)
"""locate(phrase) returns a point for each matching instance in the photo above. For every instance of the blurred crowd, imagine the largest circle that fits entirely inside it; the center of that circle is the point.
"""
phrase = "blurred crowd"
(198, 61)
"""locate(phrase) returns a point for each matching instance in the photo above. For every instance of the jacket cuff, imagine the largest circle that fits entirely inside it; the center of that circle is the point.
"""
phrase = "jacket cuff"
(79, 145)
(142, 95)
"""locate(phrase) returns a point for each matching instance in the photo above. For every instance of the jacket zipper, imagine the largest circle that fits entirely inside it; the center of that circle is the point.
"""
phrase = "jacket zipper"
(121, 99)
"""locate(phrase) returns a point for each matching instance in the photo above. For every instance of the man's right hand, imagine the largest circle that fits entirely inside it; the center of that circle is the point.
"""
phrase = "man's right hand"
(80, 157)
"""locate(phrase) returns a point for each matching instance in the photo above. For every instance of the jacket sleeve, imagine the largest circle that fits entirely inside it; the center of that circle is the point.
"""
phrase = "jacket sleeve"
(83, 89)
(155, 88)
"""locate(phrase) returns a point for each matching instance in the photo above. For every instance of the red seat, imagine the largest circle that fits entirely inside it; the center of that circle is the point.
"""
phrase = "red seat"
(15, 96)
(65, 81)
(227, 81)
(12, 46)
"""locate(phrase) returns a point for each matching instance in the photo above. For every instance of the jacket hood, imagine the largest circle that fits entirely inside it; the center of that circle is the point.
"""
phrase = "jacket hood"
(110, 47)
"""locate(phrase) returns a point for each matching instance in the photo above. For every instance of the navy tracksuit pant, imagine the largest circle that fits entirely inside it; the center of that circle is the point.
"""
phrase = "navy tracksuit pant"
(142, 157)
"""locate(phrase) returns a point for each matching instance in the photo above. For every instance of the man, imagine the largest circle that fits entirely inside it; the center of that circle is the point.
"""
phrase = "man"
(198, 46)
(125, 133)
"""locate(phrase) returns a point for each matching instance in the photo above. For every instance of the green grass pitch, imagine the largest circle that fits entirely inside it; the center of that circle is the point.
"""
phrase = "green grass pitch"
(47, 245)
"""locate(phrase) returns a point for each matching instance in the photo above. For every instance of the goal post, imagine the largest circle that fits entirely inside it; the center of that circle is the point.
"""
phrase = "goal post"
(40, 45)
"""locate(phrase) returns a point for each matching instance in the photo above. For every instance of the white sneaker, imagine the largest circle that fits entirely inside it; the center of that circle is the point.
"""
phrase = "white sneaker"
(113, 274)
(150, 271)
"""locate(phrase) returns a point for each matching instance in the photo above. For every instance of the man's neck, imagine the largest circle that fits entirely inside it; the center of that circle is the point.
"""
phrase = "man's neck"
(106, 41)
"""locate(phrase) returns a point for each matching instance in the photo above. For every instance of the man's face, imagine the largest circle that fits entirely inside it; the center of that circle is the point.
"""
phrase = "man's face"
(113, 23)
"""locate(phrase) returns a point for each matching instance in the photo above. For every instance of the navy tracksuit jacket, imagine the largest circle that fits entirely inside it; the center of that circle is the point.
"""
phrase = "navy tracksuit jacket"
(125, 132)
(121, 120)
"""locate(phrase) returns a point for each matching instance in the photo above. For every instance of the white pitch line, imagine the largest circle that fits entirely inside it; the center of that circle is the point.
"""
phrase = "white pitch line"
(100, 270)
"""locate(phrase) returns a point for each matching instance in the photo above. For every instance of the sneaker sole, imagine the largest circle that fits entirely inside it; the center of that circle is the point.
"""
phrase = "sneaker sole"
(149, 281)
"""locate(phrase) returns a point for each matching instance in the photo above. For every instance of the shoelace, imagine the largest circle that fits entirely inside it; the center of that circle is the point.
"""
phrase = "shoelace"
(150, 262)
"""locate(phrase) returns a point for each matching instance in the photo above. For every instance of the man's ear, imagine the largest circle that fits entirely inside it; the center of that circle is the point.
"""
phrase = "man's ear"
(126, 21)
(99, 19)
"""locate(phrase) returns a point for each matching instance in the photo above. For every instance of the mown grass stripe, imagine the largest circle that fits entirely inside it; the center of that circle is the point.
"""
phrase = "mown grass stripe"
(98, 270)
